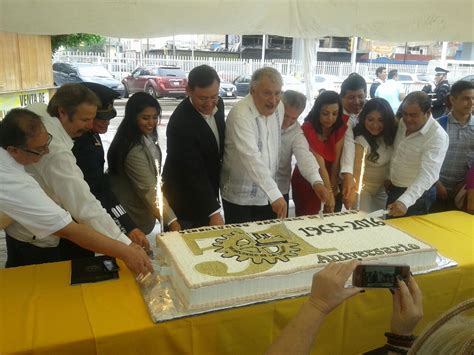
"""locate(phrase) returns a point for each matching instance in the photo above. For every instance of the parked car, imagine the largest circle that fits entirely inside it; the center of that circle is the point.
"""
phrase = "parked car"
(467, 78)
(160, 81)
(242, 84)
(227, 90)
(66, 73)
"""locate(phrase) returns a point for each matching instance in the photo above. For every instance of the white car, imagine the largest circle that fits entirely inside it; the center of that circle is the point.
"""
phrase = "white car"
(410, 82)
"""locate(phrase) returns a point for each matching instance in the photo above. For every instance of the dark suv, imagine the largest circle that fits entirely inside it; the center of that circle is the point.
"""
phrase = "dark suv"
(161, 81)
(66, 73)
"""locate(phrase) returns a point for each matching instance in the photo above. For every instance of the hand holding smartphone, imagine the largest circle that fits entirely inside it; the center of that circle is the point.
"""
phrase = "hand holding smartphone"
(379, 275)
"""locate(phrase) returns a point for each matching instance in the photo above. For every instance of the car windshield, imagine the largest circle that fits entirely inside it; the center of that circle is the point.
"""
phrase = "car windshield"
(176, 72)
(406, 77)
(94, 70)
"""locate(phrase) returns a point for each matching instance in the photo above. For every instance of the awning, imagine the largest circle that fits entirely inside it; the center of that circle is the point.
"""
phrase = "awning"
(389, 20)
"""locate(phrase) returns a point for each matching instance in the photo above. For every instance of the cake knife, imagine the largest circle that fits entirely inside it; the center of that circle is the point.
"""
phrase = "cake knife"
(321, 211)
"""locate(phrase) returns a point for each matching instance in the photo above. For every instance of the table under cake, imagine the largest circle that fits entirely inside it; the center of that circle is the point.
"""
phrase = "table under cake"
(41, 313)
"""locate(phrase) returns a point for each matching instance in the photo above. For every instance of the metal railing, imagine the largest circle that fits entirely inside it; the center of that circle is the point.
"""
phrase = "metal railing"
(125, 63)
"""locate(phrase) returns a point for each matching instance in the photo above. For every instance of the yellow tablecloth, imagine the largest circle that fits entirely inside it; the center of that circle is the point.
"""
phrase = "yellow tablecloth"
(41, 313)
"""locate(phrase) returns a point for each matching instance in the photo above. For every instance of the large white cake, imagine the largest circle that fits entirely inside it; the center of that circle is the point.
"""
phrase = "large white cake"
(224, 265)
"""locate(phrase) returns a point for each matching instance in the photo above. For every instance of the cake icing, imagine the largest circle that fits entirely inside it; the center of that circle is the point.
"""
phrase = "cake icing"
(222, 265)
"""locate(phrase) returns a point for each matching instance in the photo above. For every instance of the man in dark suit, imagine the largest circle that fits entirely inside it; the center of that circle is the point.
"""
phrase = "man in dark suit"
(195, 146)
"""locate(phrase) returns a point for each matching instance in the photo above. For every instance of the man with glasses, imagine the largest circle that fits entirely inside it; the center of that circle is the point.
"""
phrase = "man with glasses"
(24, 141)
(253, 139)
(195, 146)
(69, 114)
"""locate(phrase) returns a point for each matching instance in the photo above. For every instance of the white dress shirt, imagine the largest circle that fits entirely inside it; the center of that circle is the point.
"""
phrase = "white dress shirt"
(211, 122)
(348, 149)
(293, 142)
(417, 159)
(251, 151)
(63, 181)
(23, 200)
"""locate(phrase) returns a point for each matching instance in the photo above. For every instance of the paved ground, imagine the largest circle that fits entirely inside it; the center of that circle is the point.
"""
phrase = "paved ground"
(168, 105)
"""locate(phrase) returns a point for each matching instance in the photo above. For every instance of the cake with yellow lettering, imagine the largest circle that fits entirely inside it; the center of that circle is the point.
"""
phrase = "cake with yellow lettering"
(224, 265)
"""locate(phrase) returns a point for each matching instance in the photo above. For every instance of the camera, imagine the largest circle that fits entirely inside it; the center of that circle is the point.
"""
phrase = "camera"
(379, 275)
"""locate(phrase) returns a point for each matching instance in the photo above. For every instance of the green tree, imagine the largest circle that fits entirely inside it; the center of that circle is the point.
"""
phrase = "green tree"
(75, 40)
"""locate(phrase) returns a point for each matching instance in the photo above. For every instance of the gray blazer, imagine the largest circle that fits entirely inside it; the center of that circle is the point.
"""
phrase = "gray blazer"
(135, 188)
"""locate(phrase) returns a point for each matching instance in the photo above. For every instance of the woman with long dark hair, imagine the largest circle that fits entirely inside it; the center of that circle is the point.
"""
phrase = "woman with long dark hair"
(374, 135)
(134, 160)
(324, 129)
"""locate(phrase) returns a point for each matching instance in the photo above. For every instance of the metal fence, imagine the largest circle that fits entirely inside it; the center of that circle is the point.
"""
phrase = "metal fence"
(122, 64)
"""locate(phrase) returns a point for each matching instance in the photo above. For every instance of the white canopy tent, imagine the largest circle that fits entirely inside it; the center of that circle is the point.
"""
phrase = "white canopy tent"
(389, 20)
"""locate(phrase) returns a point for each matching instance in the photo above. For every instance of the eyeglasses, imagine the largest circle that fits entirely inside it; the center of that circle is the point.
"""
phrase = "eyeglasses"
(206, 99)
(40, 151)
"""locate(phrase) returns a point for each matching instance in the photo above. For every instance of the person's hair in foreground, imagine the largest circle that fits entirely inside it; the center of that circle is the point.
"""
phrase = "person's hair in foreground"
(202, 76)
(294, 99)
(18, 126)
(69, 96)
(451, 333)
(326, 98)
(128, 133)
(389, 125)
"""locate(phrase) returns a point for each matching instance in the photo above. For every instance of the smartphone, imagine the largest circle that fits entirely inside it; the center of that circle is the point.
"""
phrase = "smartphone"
(379, 275)
(110, 265)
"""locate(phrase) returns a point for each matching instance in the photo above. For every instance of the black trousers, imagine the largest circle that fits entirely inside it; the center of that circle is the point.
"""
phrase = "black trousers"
(22, 253)
(240, 214)
(70, 251)
(421, 206)
(188, 224)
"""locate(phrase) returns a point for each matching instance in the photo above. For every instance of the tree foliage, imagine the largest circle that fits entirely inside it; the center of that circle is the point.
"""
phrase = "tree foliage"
(75, 40)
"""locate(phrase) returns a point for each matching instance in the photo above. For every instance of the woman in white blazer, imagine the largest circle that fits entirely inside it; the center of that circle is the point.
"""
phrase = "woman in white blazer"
(134, 160)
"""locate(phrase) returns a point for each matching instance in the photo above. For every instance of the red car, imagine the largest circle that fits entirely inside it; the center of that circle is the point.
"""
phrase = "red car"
(160, 81)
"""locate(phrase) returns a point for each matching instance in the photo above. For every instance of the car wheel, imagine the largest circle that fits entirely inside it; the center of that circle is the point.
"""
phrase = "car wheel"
(151, 90)
(126, 93)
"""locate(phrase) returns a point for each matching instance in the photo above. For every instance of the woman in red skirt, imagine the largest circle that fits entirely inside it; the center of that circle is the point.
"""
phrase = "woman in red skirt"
(324, 128)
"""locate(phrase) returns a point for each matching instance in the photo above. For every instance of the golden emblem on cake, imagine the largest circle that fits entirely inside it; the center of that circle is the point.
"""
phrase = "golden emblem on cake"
(258, 247)
(261, 249)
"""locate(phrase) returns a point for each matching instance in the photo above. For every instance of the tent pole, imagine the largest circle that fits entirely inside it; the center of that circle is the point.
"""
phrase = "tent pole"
(354, 53)
(444, 50)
